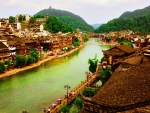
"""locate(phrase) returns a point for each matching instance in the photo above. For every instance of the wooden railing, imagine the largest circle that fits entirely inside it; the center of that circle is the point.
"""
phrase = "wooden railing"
(76, 90)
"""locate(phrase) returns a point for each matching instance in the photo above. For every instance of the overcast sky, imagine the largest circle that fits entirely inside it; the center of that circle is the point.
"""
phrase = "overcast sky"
(92, 11)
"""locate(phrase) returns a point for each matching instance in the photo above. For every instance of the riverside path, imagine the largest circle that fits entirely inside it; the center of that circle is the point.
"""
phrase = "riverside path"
(76, 90)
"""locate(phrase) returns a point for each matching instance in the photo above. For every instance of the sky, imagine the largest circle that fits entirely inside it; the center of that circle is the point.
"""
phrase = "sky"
(92, 11)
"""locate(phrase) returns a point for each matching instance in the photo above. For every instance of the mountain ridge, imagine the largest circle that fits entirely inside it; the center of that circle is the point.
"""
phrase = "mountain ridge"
(136, 13)
(73, 20)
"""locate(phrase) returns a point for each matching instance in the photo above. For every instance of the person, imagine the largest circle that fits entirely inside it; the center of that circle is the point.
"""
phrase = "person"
(44, 110)
(72, 93)
(49, 110)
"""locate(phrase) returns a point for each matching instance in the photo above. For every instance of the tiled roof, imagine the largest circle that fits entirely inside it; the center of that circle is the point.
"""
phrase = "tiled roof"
(126, 87)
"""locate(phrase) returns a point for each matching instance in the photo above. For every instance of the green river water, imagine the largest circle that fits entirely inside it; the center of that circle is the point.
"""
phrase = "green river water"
(39, 87)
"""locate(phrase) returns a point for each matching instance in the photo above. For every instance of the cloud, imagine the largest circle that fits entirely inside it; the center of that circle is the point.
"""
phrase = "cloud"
(108, 3)
(22, 4)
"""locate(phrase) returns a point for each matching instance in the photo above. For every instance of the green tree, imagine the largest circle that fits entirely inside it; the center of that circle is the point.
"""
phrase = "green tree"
(20, 18)
(8, 63)
(76, 42)
(20, 61)
(32, 20)
(23, 18)
(127, 43)
(33, 53)
(30, 60)
(78, 103)
(105, 74)
(11, 19)
(54, 25)
(86, 38)
(64, 109)
(88, 92)
(2, 67)
(93, 64)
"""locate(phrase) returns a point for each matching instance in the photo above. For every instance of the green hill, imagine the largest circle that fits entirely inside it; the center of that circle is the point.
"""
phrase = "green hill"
(69, 18)
(136, 13)
(140, 24)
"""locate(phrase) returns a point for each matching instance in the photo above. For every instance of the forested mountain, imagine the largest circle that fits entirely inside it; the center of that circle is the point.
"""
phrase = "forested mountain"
(141, 24)
(136, 13)
(69, 18)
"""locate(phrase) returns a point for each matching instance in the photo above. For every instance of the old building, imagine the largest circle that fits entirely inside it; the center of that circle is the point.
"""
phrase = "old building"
(125, 91)
(4, 52)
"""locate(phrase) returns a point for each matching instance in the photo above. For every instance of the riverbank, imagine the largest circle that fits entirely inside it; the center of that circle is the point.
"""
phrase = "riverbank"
(45, 59)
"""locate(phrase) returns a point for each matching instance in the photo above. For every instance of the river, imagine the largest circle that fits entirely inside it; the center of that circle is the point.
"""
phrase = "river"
(39, 87)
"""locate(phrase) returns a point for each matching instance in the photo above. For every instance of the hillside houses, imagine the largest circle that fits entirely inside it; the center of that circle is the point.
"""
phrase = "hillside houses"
(20, 42)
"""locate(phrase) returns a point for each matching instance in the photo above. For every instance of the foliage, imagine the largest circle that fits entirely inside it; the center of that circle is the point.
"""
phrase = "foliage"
(88, 92)
(8, 63)
(23, 18)
(136, 13)
(68, 18)
(32, 20)
(39, 16)
(2, 67)
(109, 38)
(105, 74)
(20, 61)
(68, 48)
(20, 18)
(78, 103)
(76, 42)
(64, 109)
(120, 39)
(54, 25)
(29, 60)
(45, 50)
(127, 43)
(11, 19)
(93, 64)
(33, 53)
(138, 24)
(86, 38)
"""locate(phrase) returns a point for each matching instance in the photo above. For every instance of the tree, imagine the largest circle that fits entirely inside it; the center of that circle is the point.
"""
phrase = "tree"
(54, 25)
(88, 92)
(105, 74)
(33, 53)
(30, 60)
(23, 17)
(11, 19)
(76, 42)
(8, 63)
(127, 43)
(93, 64)
(64, 109)
(20, 18)
(20, 61)
(2, 67)
(32, 20)
(78, 103)
(86, 38)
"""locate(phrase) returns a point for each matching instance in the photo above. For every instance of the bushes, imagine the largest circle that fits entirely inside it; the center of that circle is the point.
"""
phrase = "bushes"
(93, 64)
(105, 74)
(64, 109)
(21, 60)
(88, 92)
(2, 67)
